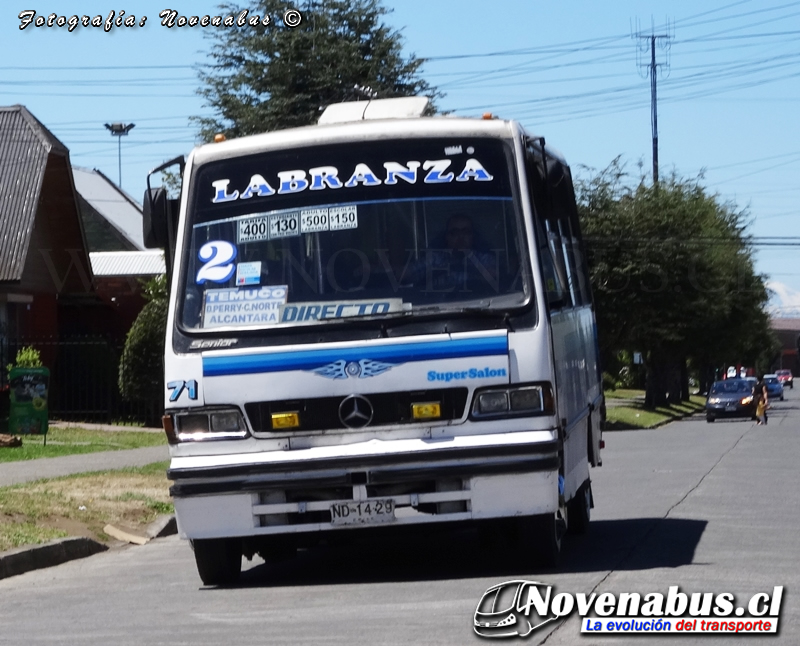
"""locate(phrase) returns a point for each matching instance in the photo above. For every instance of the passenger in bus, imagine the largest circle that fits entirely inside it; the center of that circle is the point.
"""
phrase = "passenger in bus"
(458, 261)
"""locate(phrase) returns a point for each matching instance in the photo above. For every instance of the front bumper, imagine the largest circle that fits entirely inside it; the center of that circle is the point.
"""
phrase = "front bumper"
(726, 410)
(465, 478)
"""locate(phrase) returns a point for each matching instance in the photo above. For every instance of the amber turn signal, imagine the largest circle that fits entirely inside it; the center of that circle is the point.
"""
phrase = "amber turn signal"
(285, 420)
(426, 410)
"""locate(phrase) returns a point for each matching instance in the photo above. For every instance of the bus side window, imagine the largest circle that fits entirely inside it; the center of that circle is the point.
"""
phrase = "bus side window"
(565, 214)
(550, 252)
(566, 251)
(552, 282)
(570, 224)
(556, 249)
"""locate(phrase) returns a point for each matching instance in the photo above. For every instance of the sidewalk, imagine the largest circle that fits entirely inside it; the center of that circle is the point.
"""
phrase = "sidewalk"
(27, 470)
(103, 427)
(619, 401)
(34, 557)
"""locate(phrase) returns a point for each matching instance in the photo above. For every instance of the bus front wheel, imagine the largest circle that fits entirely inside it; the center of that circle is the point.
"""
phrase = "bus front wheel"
(219, 560)
(579, 509)
(542, 536)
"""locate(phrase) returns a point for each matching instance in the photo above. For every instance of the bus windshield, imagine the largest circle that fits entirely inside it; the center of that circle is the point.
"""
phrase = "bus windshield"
(372, 229)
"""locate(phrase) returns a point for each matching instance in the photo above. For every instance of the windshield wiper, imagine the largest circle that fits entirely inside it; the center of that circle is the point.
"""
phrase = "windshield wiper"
(380, 316)
(483, 310)
(472, 310)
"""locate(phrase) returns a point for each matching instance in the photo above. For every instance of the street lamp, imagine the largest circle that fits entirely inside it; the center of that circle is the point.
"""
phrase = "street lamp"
(117, 130)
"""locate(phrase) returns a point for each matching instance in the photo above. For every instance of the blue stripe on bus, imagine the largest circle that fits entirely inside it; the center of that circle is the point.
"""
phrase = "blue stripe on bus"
(396, 354)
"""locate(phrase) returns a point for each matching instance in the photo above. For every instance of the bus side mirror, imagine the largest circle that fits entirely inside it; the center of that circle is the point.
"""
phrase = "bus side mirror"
(159, 218)
(154, 218)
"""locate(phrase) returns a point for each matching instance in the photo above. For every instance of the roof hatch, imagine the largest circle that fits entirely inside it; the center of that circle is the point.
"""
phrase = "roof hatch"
(398, 108)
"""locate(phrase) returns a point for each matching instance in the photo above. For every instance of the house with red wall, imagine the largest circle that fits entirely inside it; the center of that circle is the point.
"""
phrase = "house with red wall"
(74, 308)
(46, 287)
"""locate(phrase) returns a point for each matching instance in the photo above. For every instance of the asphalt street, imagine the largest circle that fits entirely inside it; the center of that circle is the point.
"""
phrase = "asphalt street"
(707, 507)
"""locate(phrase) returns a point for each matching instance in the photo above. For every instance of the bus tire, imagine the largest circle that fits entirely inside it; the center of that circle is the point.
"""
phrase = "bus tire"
(579, 509)
(277, 549)
(219, 560)
(541, 539)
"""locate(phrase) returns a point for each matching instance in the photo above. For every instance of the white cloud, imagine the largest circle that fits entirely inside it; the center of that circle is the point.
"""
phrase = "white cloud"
(785, 301)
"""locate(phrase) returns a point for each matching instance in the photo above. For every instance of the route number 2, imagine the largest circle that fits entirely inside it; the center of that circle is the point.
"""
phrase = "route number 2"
(218, 256)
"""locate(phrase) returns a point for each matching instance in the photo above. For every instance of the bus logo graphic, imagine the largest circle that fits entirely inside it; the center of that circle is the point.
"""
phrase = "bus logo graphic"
(361, 369)
(503, 611)
(355, 411)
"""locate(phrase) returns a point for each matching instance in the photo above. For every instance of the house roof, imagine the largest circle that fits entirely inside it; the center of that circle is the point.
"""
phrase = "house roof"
(24, 148)
(112, 203)
(127, 263)
(790, 324)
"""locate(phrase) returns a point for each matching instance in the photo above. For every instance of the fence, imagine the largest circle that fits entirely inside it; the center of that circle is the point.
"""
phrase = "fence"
(83, 378)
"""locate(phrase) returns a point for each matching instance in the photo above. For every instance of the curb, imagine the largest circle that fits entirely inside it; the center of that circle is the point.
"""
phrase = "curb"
(683, 416)
(657, 424)
(62, 550)
(25, 559)
(165, 525)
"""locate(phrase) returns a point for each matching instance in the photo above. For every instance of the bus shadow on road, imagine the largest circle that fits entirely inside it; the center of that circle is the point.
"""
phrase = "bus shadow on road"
(632, 544)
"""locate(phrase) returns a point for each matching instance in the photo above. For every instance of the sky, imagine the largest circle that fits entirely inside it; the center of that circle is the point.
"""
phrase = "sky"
(575, 72)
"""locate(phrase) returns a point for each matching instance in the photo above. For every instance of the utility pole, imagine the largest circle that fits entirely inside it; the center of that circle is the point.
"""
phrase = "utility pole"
(652, 71)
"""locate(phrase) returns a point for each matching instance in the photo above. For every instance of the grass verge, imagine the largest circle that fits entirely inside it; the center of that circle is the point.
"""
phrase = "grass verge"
(634, 415)
(71, 440)
(82, 505)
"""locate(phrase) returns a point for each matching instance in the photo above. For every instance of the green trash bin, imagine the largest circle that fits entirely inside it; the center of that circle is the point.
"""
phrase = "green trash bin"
(28, 413)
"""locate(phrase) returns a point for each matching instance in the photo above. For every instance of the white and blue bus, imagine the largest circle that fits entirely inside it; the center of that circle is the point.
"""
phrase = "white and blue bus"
(378, 321)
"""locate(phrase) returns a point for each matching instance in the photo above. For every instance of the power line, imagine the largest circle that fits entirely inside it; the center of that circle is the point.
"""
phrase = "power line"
(31, 68)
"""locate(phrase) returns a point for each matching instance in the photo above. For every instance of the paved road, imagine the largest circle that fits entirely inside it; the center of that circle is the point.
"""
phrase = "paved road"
(708, 507)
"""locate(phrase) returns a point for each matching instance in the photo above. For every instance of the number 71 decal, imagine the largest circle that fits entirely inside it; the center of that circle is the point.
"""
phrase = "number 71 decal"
(177, 388)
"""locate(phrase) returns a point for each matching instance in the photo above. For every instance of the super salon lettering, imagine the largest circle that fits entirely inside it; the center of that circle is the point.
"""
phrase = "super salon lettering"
(472, 373)
(436, 171)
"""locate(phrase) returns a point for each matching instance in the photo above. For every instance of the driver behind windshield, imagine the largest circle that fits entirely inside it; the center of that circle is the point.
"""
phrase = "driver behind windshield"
(458, 260)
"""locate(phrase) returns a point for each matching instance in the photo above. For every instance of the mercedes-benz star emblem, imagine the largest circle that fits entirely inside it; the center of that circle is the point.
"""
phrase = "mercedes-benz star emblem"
(355, 411)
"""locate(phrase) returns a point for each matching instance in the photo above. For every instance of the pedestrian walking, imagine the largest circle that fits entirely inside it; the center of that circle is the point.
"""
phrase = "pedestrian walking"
(761, 399)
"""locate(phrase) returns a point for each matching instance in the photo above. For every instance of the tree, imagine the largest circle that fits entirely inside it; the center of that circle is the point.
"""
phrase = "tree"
(141, 369)
(271, 77)
(673, 276)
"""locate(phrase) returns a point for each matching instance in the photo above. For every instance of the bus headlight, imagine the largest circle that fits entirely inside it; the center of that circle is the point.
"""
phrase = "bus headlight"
(508, 621)
(492, 402)
(528, 399)
(226, 424)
